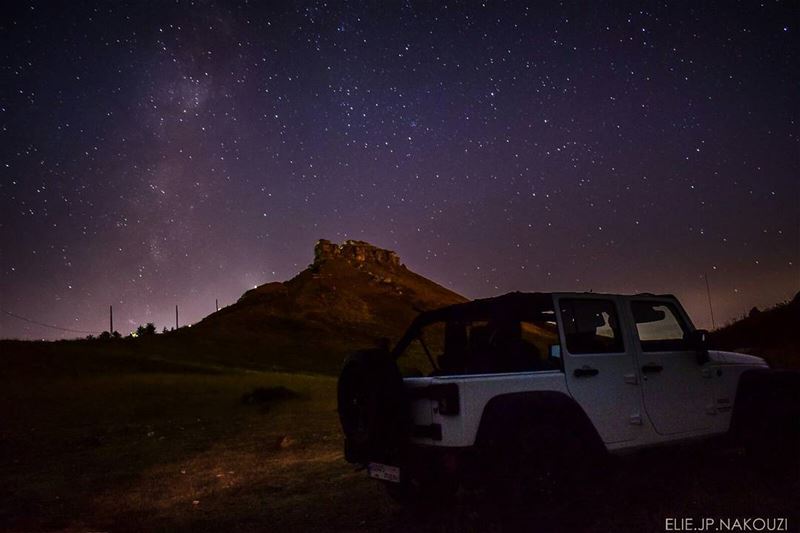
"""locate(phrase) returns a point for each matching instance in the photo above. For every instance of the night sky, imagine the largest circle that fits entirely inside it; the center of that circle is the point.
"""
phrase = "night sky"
(156, 154)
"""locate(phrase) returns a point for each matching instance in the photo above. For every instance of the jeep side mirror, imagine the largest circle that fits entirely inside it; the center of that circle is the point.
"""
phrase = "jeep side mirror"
(697, 340)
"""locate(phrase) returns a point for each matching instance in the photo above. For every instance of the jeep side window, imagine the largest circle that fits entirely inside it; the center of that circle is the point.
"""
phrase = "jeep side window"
(659, 326)
(591, 326)
(487, 346)
(539, 339)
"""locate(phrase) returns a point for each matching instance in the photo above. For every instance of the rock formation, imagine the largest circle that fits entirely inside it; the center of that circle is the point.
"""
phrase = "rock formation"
(356, 251)
(351, 297)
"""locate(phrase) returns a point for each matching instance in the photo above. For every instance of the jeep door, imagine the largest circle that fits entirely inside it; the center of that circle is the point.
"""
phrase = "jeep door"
(600, 365)
(678, 393)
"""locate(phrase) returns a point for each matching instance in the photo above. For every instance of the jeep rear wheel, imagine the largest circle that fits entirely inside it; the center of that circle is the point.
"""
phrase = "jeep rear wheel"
(539, 463)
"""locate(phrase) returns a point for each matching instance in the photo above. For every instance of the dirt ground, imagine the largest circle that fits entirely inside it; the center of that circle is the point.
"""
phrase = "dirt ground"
(145, 451)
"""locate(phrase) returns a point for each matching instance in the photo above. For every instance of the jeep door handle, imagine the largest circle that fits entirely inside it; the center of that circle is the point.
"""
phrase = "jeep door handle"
(585, 372)
(652, 368)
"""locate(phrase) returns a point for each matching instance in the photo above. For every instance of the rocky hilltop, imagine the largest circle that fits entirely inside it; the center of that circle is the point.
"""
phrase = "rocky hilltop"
(350, 296)
(355, 251)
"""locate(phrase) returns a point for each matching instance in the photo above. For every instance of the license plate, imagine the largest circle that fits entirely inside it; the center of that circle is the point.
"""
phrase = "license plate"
(384, 472)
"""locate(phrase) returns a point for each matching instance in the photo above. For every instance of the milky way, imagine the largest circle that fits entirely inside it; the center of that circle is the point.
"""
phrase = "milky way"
(156, 154)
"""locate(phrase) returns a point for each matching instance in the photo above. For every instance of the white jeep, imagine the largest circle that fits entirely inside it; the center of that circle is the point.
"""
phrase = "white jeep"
(527, 383)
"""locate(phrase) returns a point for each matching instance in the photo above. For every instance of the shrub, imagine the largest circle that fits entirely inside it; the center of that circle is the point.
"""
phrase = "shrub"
(146, 330)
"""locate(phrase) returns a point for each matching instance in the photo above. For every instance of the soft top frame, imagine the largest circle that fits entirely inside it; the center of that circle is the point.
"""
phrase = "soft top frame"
(513, 306)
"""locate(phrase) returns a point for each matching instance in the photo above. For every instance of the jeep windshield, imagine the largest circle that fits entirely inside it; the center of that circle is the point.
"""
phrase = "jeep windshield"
(516, 332)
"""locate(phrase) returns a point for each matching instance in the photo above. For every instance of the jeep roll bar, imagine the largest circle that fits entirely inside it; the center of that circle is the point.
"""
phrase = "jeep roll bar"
(513, 306)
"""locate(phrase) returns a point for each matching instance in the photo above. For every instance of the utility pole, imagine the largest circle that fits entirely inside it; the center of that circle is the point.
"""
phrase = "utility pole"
(111, 319)
(216, 303)
(176, 317)
(710, 307)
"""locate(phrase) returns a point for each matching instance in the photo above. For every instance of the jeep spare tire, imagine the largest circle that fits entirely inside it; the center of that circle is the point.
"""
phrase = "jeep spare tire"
(372, 406)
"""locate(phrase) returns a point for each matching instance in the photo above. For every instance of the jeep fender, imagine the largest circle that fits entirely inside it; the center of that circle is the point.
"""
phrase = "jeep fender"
(505, 415)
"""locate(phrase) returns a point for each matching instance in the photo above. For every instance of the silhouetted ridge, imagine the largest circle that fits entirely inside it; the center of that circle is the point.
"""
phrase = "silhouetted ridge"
(771, 333)
(352, 294)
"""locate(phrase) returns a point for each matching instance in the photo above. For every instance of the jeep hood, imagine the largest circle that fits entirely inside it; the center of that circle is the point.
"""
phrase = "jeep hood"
(733, 358)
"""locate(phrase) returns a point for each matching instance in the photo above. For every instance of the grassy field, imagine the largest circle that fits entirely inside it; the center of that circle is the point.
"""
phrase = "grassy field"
(165, 451)
(156, 446)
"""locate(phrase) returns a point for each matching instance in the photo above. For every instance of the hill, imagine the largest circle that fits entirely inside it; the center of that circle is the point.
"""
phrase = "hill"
(351, 296)
(771, 334)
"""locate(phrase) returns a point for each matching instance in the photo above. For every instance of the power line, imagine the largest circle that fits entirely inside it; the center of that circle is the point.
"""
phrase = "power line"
(47, 325)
